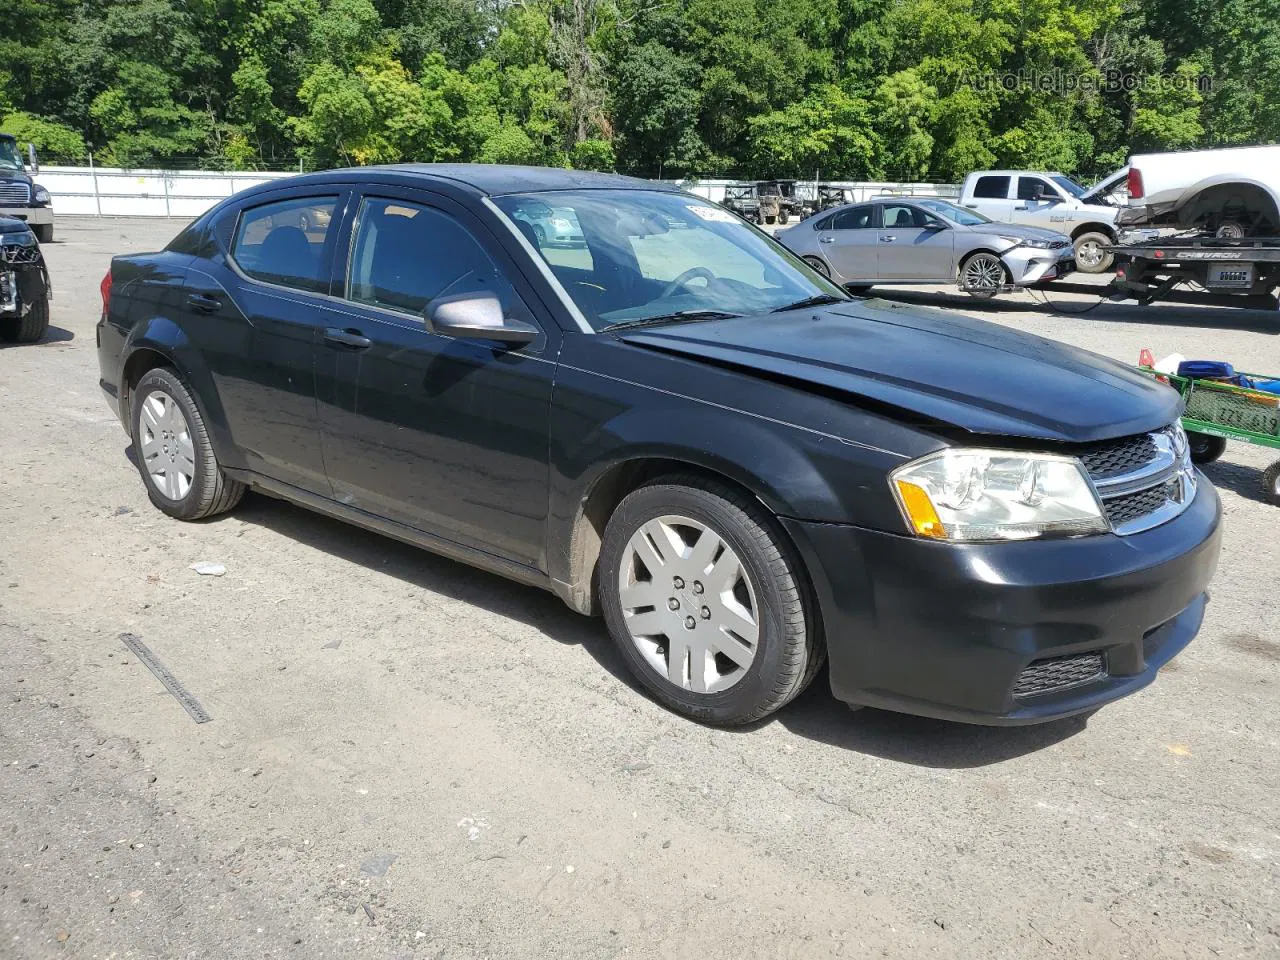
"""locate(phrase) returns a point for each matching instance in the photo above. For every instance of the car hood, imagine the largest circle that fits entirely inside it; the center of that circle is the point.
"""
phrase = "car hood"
(1016, 230)
(943, 367)
(14, 175)
(1105, 186)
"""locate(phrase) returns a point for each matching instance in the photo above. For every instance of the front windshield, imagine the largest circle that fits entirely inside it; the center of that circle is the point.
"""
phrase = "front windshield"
(10, 159)
(646, 254)
(1069, 185)
(955, 213)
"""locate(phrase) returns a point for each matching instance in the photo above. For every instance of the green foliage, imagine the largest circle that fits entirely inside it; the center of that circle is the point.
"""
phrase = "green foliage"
(758, 88)
(55, 142)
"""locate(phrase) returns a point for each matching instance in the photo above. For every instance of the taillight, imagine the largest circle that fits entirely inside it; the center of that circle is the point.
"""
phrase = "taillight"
(1135, 184)
(105, 289)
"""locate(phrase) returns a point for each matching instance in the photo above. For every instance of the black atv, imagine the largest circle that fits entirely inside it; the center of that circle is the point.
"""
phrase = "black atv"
(24, 284)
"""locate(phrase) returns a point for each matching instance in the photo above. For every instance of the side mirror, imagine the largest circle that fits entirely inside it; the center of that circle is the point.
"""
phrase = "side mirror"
(934, 225)
(476, 316)
(32, 160)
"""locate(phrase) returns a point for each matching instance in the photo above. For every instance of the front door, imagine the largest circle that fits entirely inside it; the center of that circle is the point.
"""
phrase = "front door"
(446, 436)
(914, 244)
(848, 241)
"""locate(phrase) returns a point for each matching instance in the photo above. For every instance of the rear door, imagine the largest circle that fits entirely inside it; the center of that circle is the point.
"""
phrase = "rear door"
(992, 196)
(259, 312)
(443, 435)
(913, 244)
(848, 240)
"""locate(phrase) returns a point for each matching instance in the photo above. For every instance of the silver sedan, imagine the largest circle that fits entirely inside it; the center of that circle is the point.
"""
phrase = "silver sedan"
(927, 240)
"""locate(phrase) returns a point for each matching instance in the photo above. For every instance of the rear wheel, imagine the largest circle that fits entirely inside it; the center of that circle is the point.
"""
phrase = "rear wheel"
(1093, 254)
(30, 327)
(1204, 447)
(819, 265)
(982, 275)
(784, 216)
(706, 602)
(173, 453)
(1271, 484)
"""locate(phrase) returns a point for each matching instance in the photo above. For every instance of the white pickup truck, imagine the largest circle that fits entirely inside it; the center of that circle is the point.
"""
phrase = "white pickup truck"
(1230, 193)
(1053, 201)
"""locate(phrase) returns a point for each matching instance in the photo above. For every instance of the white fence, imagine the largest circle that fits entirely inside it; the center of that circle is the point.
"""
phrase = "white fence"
(114, 192)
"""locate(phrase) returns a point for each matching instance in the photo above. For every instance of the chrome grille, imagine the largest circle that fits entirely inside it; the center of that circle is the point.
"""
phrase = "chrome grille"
(1143, 480)
(1058, 673)
(12, 253)
(14, 192)
(1117, 457)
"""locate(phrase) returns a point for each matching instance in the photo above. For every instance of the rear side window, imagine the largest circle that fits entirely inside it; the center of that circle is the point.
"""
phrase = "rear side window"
(283, 242)
(855, 218)
(992, 188)
(406, 255)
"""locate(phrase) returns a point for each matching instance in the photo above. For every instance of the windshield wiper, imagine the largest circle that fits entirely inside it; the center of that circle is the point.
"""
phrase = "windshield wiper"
(821, 300)
(679, 315)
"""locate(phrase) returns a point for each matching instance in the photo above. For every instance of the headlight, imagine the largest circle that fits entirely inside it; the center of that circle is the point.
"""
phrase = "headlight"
(41, 195)
(1036, 242)
(24, 239)
(971, 495)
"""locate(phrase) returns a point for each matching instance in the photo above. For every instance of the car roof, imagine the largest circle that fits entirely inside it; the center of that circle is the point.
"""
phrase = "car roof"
(487, 179)
(1014, 173)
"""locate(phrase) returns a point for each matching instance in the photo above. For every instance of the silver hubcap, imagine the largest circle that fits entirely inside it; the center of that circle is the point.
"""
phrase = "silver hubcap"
(983, 273)
(1089, 253)
(167, 452)
(689, 605)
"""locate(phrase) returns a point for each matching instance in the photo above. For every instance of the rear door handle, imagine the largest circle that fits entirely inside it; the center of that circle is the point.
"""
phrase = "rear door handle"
(972, 206)
(347, 338)
(887, 239)
(203, 302)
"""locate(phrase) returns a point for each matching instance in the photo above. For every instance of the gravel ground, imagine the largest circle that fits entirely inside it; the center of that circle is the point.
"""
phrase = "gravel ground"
(409, 758)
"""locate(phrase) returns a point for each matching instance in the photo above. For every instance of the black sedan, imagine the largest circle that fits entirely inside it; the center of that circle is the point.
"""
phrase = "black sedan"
(679, 425)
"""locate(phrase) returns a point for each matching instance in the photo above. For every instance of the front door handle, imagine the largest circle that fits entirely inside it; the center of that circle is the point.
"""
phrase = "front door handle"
(347, 338)
(203, 302)
(826, 239)
(888, 239)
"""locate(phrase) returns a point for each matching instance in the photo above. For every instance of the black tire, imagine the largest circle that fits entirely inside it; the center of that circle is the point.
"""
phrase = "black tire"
(819, 266)
(783, 217)
(1271, 484)
(43, 232)
(211, 491)
(540, 235)
(1204, 447)
(789, 651)
(29, 328)
(1099, 266)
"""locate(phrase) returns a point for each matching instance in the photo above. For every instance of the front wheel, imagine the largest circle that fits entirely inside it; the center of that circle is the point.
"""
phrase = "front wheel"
(982, 275)
(706, 601)
(1204, 447)
(43, 232)
(28, 328)
(172, 449)
(1093, 253)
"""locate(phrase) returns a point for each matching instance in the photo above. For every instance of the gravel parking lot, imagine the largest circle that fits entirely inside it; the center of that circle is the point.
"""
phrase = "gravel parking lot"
(410, 758)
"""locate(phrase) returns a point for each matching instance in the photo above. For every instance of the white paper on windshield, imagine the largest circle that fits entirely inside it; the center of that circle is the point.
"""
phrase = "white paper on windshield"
(714, 214)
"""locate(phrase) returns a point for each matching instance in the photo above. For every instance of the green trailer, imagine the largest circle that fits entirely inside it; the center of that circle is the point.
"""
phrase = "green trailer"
(1217, 412)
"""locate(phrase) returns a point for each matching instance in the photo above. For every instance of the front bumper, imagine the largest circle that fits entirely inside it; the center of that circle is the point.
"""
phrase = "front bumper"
(946, 630)
(1028, 265)
(36, 215)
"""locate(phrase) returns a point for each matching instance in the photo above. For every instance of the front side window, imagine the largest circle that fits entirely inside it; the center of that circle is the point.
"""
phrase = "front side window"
(406, 255)
(652, 254)
(283, 242)
(902, 216)
(1029, 187)
(10, 158)
(992, 188)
